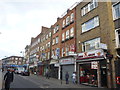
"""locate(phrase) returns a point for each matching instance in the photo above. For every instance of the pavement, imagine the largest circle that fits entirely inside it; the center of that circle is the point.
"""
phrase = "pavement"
(0, 80)
(57, 82)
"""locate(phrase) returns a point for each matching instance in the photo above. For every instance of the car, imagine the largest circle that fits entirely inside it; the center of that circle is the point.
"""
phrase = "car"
(19, 70)
(25, 73)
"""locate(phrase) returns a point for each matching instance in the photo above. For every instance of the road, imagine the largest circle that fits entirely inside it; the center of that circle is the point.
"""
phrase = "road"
(35, 82)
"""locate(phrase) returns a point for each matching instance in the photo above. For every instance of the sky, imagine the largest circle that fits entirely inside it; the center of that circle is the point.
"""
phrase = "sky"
(22, 19)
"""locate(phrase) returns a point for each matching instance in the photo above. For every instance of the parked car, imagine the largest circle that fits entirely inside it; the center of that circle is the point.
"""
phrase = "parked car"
(25, 73)
(19, 70)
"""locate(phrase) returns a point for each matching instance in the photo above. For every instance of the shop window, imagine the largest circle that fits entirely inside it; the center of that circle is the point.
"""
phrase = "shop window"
(88, 76)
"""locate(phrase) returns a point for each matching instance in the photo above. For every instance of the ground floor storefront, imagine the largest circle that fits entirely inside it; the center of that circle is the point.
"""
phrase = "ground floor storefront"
(92, 69)
(67, 64)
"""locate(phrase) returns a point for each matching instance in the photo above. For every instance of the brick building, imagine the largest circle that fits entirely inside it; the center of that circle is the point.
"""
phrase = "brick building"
(95, 45)
(116, 19)
(12, 61)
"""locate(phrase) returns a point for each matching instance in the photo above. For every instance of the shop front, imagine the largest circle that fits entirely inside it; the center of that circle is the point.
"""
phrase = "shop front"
(54, 68)
(92, 68)
(66, 65)
(40, 68)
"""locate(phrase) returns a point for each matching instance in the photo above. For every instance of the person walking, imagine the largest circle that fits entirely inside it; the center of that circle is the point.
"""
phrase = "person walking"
(67, 77)
(74, 78)
(8, 78)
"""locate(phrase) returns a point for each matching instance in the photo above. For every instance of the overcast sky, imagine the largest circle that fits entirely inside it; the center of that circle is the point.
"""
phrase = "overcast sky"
(21, 20)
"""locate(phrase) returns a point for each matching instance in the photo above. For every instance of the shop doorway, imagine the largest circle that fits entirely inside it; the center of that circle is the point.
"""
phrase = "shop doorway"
(103, 77)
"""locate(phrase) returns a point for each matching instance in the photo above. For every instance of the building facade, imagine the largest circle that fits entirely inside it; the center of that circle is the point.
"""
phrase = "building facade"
(95, 46)
(116, 19)
(12, 61)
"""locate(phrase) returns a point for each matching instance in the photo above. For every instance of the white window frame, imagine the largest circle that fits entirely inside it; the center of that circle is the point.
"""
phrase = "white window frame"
(87, 8)
(63, 24)
(57, 39)
(72, 32)
(72, 17)
(95, 21)
(91, 43)
(67, 34)
(63, 36)
(67, 20)
(114, 11)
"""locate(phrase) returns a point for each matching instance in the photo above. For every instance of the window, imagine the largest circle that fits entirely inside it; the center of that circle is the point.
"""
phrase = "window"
(67, 34)
(50, 34)
(94, 22)
(54, 31)
(117, 37)
(67, 20)
(63, 25)
(91, 45)
(53, 42)
(48, 55)
(93, 4)
(67, 51)
(72, 17)
(116, 11)
(48, 44)
(47, 36)
(57, 40)
(63, 36)
(72, 32)
(63, 52)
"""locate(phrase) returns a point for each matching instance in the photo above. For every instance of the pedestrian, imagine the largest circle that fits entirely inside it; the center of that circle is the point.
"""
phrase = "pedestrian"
(74, 78)
(67, 77)
(8, 78)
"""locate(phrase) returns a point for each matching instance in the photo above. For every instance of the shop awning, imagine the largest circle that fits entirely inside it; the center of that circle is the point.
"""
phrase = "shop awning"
(31, 66)
(53, 61)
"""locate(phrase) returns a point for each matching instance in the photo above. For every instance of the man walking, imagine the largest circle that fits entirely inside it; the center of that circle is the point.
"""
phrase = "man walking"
(8, 77)
(67, 77)
(74, 77)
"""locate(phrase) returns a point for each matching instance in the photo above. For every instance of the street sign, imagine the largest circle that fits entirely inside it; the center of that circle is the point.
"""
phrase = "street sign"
(94, 65)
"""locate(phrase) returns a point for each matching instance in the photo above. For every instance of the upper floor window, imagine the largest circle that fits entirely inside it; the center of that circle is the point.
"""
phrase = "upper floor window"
(67, 34)
(63, 25)
(91, 45)
(63, 36)
(67, 51)
(72, 17)
(57, 40)
(63, 52)
(90, 6)
(116, 10)
(72, 32)
(92, 23)
(67, 20)
(49, 34)
(53, 42)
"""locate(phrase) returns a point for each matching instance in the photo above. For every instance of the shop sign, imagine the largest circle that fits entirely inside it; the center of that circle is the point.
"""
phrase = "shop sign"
(72, 48)
(91, 54)
(94, 65)
(58, 52)
(67, 61)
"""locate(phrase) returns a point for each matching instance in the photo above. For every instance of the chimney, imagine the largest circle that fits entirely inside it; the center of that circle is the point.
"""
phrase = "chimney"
(68, 10)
